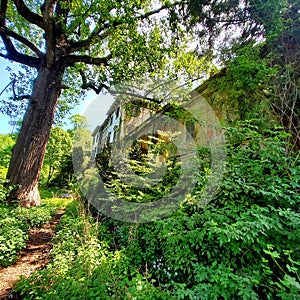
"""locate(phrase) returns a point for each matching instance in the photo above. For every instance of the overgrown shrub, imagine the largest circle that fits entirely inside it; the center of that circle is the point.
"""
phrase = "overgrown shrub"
(243, 245)
(3, 190)
(14, 225)
(82, 267)
(7, 142)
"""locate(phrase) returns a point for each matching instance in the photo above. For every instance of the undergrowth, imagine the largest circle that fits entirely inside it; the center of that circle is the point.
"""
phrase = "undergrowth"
(83, 267)
(14, 225)
(243, 245)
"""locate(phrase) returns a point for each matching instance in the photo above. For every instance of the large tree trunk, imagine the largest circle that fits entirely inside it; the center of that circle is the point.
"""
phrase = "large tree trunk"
(28, 153)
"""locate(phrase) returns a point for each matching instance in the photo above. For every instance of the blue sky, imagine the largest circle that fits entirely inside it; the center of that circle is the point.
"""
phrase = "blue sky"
(4, 80)
(98, 104)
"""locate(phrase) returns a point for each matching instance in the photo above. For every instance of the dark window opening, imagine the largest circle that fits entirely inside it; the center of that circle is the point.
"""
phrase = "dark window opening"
(190, 130)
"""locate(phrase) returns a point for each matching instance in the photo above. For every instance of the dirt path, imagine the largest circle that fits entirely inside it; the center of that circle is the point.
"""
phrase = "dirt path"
(35, 256)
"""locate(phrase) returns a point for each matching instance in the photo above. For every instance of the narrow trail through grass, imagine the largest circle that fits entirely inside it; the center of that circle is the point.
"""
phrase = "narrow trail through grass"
(35, 256)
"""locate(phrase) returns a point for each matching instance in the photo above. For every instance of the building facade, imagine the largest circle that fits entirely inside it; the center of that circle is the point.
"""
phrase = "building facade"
(193, 120)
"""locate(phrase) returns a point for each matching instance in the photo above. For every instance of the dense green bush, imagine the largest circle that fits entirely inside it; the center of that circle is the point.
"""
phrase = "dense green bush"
(82, 267)
(7, 142)
(243, 245)
(160, 158)
(14, 225)
(3, 189)
(12, 240)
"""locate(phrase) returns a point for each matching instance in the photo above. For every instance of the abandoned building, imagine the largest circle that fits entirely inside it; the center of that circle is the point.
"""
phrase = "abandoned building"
(135, 117)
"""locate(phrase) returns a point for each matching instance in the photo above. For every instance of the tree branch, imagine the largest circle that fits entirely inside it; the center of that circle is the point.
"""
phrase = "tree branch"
(78, 21)
(16, 36)
(22, 59)
(18, 97)
(6, 87)
(3, 9)
(84, 44)
(48, 7)
(98, 61)
(98, 89)
(28, 15)
(61, 12)
(150, 99)
(16, 56)
(158, 10)
(22, 97)
(88, 85)
(12, 53)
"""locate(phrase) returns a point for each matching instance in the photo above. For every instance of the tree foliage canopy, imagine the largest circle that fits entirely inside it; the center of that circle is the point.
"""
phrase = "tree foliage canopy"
(121, 40)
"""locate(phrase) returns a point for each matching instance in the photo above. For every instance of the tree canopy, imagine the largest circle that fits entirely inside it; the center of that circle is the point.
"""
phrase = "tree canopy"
(61, 40)
(70, 46)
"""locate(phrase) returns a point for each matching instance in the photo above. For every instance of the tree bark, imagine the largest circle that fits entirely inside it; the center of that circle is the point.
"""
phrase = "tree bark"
(28, 153)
